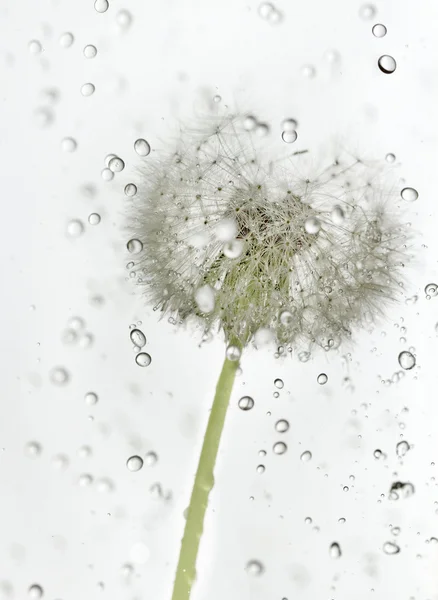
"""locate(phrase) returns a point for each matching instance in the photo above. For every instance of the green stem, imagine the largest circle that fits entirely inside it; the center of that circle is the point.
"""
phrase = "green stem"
(204, 481)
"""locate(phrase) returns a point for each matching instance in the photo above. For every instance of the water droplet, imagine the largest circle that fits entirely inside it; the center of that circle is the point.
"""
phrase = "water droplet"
(85, 451)
(94, 219)
(234, 248)
(379, 30)
(260, 469)
(268, 12)
(233, 352)
(289, 136)
(367, 11)
(104, 485)
(409, 194)
(35, 591)
(66, 39)
(402, 448)
(282, 425)
(127, 571)
(286, 317)
(205, 299)
(403, 489)
(69, 144)
(406, 360)
(142, 147)
(124, 19)
(262, 129)
(107, 174)
(143, 359)
(312, 225)
(337, 215)
(75, 228)
(60, 462)
(279, 383)
(431, 289)
(395, 530)
(308, 520)
(246, 403)
(263, 337)
(304, 356)
(322, 379)
(306, 456)
(289, 124)
(59, 376)
(90, 51)
(151, 458)
(134, 246)
(85, 480)
(345, 488)
(390, 158)
(134, 463)
(33, 449)
(101, 6)
(217, 98)
(35, 47)
(378, 454)
(390, 548)
(91, 398)
(308, 71)
(130, 190)
(279, 448)
(341, 520)
(116, 164)
(387, 64)
(254, 567)
(138, 338)
(335, 550)
(249, 123)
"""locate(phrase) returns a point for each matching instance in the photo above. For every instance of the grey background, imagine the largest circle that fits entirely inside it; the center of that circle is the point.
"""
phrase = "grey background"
(73, 540)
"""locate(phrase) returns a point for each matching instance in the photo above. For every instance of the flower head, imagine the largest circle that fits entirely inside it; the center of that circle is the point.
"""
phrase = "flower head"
(248, 245)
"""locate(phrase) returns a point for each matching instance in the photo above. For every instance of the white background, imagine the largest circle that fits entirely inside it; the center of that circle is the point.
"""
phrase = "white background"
(74, 540)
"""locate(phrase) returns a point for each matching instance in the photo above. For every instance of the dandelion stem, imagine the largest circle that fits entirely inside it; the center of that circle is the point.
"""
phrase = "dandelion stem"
(204, 481)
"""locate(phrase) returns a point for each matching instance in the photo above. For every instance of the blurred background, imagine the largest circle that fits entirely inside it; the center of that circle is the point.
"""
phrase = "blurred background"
(83, 80)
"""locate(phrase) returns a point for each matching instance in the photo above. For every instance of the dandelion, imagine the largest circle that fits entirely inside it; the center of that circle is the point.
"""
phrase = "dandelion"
(250, 248)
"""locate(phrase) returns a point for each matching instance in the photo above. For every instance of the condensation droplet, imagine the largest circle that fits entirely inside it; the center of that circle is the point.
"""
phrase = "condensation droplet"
(101, 6)
(286, 318)
(35, 591)
(90, 51)
(249, 123)
(431, 289)
(337, 215)
(308, 71)
(260, 469)
(304, 356)
(367, 11)
(107, 174)
(289, 137)
(151, 458)
(322, 379)
(402, 448)
(143, 359)
(262, 129)
(233, 352)
(268, 12)
(130, 190)
(282, 425)
(409, 194)
(60, 462)
(66, 39)
(289, 125)
(379, 30)
(59, 376)
(246, 403)
(390, 157)
(134, 463)
(134, 246)
(279, 448)
(35, 47)
(88, 89)
(335, 550)
(390, 548)
(234, 248)
(406, 360)
(138, 338)
(142, 147)
(94, 219)
(254, 567)
(312, 225)
(124, 19)
(279, 383)
(306, 456)
(387, 64)
(69, 144)
(91, 398)
(116, 164)
(33, 449)
(75, 228)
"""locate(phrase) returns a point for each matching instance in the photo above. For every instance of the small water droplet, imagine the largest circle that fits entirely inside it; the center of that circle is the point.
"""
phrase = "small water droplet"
(395, 531)
(341, 520)
(88, 89)
(91, 398)
(33, 449)
(289, 137)
(390, 548)
(94, 219)
(322, 379)
(335, 550)
(379, 30)
(279, 448)
(60, 462)
(268, 12)
(124, 19)
(306, 456)
(378, 454)
(234, 248)
(303, 356)
(130, 190)
(312, 225)
(402, 448)
(262, 129)
(151, 458)
(282, 425)
(75, 228)
(69, 144)
(279, 383)
(337, 215)
(367, 11)
(308, 520)
(101, 6)
(233, 353)
(406, 360)
(66, 39)
(308, 71)
(35, 591)
(134, 463)
(249, 123)
(137, 337)
(134, 246)
(260, 469)
(90, 51)
(390, 158)
(409, 194)
(431, 290)
(85, 480)
(59, 376)
(35, 47)
(142, 147)
(254, 567)
(143, 359)
(246, 403)
(116, 164)
(107, 174)
(387, 64)
(205, 299)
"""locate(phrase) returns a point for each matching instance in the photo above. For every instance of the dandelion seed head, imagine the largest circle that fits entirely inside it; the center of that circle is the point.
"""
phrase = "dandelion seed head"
(259, 250)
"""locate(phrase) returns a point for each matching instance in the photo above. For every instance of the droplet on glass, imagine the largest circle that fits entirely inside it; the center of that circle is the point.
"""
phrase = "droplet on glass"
(94, 219)
(134, 463)
(134, 246)
(88, 89)
(60, 462)
(75, 228)
(390, 548)
(390, 157)
(101, 6)
(262, 129)
(35, 47)
(409, 194)
(268, 12)
(107, 174)
(59, 376)
(378, 454)
(312, 225)
(69, 144)
(306, 456)
(249, 123)
(205, 299)
(289, 137)
(246, 403)
(406, 360)
(142, 147)
(130, 190)
(66, 39)
(151, 458)
(387, 64)
(379, 30)
(260, 469)
(33, 449)
(322, 379)
(90, 51)
(85, 480)
(254, 567)
(143, 359)
(116, 164)
(279, 448)
(402, 448)
(308, 71)
(281, 425)
(431, 289)
(279, 383)
(138, 338)
(91, 398)
(367, 11)
(403, 489)
(337, 215)
(289, 125)
(286, 317)
(124, 19)
(35, 591)
(335, 550)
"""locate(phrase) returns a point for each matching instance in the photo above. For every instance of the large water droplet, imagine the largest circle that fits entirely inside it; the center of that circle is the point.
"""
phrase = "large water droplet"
(138, 338)
(91, 398)
(431, 289)
(101, 6)
(387, 64)
(390, 548)
(335, 550)
(282, 425)
(134, 246)
(289, 136)
(116, 164)
(59, 376)
(143, 359)
(134, 463)
(306, 456)
(254, 567)
(130, 190)
(205, 299)
(75, 228)
(69, 144)
(234, 248)
(124, 19)
(337, 215)
(409, 194)
(379, 30)
(66, 39)
(107, 174)
(312, 225)
(246, 403)
(151, 458)
(142, 147)
(322, 379)
(279, 383)
(88, 89)
(35, 591)
(402, 448)
(233, 352)
(94, 219)
(90, 51)
(35, 47)
(279, 448)
(406, 360)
